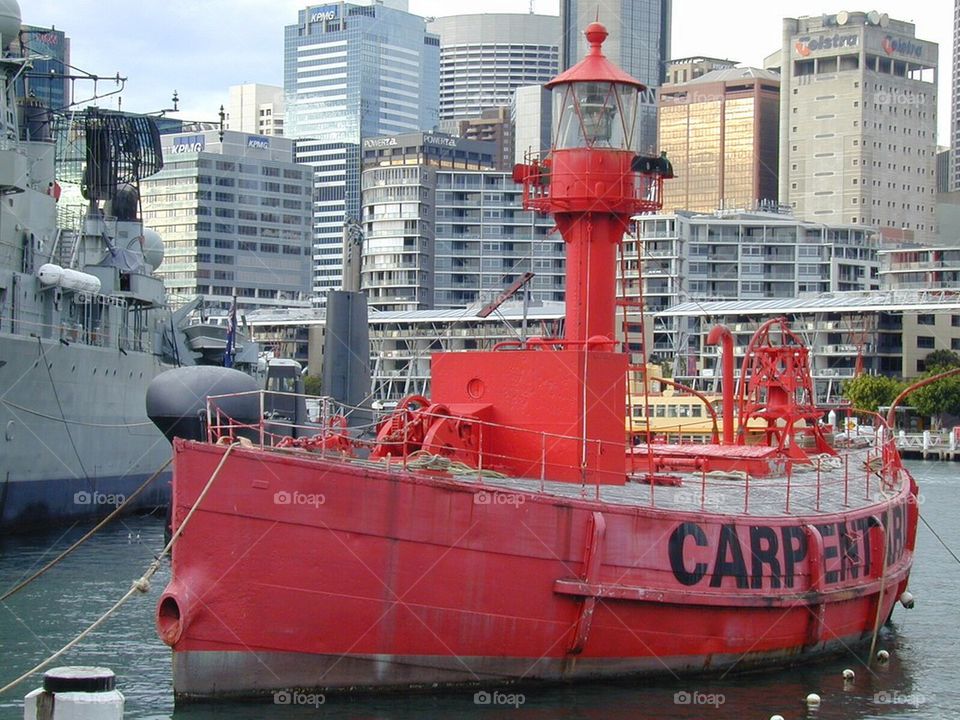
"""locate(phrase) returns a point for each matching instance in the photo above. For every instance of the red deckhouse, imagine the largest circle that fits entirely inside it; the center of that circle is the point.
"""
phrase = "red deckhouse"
(498, 532)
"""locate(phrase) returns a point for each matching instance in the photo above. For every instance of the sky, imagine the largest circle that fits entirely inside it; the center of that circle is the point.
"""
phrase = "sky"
(201, 47)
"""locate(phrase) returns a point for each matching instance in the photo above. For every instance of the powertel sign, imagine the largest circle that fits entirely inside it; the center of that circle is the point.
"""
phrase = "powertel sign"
(440, 140)
(807, 45)
(380, 142)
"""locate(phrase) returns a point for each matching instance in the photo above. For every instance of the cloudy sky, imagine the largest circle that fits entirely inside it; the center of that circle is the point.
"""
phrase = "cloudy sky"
(201, 47)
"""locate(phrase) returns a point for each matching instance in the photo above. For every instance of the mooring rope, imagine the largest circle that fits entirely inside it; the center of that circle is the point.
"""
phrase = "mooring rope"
(136, 493)
(937, 536)
(141, 584)
(423, 460)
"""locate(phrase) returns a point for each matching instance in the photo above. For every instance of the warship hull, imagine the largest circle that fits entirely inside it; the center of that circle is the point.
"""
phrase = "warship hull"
(75, 439)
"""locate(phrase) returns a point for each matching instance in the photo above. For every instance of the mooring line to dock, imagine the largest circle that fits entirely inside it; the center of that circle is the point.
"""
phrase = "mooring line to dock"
(22, 584)
(140, 585)
(937, 536)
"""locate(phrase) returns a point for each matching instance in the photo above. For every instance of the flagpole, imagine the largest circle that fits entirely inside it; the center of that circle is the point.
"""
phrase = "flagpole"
(231, 335)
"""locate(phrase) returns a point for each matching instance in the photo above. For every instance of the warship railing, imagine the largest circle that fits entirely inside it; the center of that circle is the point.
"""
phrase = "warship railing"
(868, 470)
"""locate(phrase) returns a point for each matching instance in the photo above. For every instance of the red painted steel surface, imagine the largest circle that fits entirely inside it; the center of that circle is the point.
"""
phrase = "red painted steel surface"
(313, 556)
(595, 67)
(541, 411)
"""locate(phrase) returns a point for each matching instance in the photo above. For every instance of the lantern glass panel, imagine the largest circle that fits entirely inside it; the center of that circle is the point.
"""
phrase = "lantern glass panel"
(595, 114)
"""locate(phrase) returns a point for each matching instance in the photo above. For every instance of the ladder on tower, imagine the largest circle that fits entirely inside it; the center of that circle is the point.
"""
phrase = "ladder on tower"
(633, 344)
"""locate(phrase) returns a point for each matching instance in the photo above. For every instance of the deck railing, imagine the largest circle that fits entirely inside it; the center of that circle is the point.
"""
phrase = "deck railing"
(868, 466)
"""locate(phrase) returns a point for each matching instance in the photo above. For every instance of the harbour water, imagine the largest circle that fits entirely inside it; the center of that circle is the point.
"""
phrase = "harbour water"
(922, 679)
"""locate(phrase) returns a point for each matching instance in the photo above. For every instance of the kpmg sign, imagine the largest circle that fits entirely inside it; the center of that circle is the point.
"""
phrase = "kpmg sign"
(189, 144)
(320, 14)
(807, 45)
(258, 141)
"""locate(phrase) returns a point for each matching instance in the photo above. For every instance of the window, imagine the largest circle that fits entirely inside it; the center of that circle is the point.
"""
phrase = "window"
(926, 320)
(925, 341)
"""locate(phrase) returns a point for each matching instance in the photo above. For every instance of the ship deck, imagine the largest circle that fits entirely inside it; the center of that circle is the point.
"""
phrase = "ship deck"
(847, 482)
(842, 484)
(829, 484)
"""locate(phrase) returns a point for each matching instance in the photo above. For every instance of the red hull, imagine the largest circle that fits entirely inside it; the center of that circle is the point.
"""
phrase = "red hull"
(373, 578)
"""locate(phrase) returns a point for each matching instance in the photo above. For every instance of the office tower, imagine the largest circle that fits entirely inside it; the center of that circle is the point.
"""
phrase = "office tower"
(352, 71)
(234, 215)
(683, 70)
(720, 131)
(485, 57)
(955, 101)
(944, 169)
(255, 108)
(639, 43)
(532, 115)
(858, 100)
(49, 52)
(493, 125)
(444, 229)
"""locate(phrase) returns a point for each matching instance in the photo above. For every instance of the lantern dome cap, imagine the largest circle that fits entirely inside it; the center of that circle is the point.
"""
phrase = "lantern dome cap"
(595, 67)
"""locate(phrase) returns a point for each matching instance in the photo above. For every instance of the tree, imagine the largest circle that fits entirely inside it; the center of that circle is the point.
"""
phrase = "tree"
(937, 399)
(312, 385)
(868, 392)
(942, 359)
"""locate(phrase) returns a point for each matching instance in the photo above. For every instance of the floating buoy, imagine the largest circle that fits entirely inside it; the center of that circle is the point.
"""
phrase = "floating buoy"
(906, 599)
(849, 674)
(776, 717)
(813, 700)
(883, 656)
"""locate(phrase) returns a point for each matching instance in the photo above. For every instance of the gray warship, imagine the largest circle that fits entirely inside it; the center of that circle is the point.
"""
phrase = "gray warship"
(84, 321)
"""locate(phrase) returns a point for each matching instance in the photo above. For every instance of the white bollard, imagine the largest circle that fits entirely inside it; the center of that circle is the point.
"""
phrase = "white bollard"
(75, 693)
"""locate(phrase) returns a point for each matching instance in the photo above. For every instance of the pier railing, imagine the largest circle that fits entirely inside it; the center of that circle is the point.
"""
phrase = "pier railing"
(866, 467)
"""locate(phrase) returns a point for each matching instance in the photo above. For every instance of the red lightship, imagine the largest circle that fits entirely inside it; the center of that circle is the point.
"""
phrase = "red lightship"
(505, 531)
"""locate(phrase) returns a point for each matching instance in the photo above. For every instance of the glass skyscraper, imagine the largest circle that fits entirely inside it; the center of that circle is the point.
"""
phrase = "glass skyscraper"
(49, 52)
(352, 71)
(954, 183)
(639, 43)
